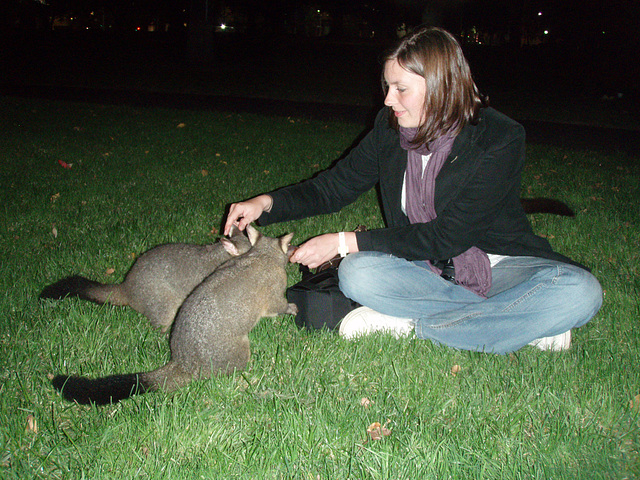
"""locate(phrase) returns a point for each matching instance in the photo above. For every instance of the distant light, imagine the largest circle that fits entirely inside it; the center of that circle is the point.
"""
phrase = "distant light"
(546, 32)
(539, 14)
(223, 26)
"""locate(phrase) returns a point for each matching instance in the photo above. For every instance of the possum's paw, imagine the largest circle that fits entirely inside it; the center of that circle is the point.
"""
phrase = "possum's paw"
(292, 309)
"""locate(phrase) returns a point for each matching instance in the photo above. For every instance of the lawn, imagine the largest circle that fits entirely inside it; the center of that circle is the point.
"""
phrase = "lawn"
(85, 188)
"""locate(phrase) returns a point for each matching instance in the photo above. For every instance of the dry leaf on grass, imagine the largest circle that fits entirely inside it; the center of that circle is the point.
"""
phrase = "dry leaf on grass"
(64, 164)
(455, 370)
(377, 431)
(181, 125)
(635, 402)
(110, 271)
(32, 424)
(365, 402)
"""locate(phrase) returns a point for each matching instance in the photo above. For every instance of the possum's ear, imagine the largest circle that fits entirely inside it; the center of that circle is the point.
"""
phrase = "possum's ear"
(230, 247)
(285, 240)
(234, 231)
(253, 234)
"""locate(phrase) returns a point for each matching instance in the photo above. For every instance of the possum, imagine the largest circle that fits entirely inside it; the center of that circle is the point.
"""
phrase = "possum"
(210, 332)
(159, 280)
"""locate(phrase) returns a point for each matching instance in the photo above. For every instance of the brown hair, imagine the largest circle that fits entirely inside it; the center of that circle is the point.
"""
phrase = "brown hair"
(452, 99)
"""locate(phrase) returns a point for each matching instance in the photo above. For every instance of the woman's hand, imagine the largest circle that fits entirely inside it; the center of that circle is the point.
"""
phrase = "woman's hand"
(322, 248)
(243, 213)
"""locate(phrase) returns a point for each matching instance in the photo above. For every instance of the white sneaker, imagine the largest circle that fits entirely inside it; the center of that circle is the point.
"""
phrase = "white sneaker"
(364, 320)
(556, 343)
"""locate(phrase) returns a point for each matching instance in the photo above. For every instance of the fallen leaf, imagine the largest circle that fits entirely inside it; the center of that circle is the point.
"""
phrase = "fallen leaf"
(55, 197)
(181, 125)
(365, 402)
(377, 431)
(64, 164)
(374, 431)
(455, 370)
(110, 271)
(32, 424)
(204, 172)
(50, 376)
(214, 231)
(635, 402)
(54, 231)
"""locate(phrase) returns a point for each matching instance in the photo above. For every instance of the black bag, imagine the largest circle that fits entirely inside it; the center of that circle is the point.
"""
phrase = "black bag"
(320, 302)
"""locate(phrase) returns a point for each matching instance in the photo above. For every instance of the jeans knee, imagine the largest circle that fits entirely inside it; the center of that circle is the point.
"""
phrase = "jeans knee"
(359, 274)
(350, 275)
(585, 292)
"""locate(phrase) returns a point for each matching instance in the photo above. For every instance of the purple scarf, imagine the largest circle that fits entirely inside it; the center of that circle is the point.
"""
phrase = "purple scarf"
(473, 270)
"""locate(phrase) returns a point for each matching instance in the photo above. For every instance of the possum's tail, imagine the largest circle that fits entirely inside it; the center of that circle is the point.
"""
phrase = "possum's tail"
(114, 388)
(77, 286)
(546, 205)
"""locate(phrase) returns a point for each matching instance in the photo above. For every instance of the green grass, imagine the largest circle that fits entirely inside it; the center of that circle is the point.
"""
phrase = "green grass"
(143, 177)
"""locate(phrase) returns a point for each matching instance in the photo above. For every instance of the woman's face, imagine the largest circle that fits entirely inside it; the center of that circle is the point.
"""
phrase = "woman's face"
(406, 94)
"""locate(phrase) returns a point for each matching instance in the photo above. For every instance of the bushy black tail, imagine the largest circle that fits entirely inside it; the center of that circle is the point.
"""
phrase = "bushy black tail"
(114, 388)
(74, 286)
(546, 205)
(100, 391)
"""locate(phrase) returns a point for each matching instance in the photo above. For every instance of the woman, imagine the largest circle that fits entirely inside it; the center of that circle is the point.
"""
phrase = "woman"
(458, 261)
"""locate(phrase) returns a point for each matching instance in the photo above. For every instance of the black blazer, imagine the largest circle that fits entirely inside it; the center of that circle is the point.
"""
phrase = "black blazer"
(477, 197)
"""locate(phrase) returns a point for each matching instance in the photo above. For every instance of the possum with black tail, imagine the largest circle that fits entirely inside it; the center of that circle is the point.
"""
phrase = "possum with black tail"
(159, 280)
(210, 332)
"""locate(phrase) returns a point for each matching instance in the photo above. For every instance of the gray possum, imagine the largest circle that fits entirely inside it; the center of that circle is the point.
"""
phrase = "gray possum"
(159, 280)
(210, 332)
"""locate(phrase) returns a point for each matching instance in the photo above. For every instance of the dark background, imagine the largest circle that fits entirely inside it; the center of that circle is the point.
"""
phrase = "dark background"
(530, 54)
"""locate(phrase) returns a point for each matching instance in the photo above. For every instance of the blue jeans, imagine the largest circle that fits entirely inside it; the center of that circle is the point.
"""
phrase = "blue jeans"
(530, 298)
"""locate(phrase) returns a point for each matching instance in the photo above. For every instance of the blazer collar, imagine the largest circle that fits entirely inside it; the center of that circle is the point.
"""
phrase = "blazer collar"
(468, 138)
(461, 163)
